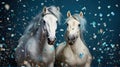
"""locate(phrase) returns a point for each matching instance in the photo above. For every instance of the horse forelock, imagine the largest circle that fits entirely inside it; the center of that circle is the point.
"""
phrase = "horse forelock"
(53, 10)
(82, 21)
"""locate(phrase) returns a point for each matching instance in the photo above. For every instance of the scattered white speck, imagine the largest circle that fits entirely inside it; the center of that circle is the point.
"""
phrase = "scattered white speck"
(108, 15)
(8, 18)
(22, 50)
(98, 24)
(61, 29)
(3, 2)
(84, 8)
(1, 45)
(93, 24)
(101, 30)
(100, 14)
(99, 2)
(101, 18)
(7, 6)
(42, 4)
(95, 14)
(99, 7)
(9, 28)
(24, 5)
(12, 10)
(12, 35)
(108, 6)
(62, 6)
(94, 36)
(111, 30)
(20, 0)
(3, 38)
(104, 24)
(112, 13)
(77, 0)
(62, 35)
(116, 5)
(94, 48)
(33, 0)
(112, 45)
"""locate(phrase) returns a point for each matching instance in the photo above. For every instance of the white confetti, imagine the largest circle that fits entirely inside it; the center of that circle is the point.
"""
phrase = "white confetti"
(77, 0)
(84, 8)
(24, 5)
(9, 28)
(7, 6)
(104, 24)
(95, 14)
(112, 13)
(108, 15)
(99, 7)
(8, 18)
(93, 24)
(100, 14)
(61, 29)
(42, 4)
(3, 38)
(94, 48)
(94, 36)
(12, 35)
(116, 5)
(108, 6)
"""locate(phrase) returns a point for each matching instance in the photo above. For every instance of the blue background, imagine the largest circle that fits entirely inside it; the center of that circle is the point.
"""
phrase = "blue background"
(102, 30)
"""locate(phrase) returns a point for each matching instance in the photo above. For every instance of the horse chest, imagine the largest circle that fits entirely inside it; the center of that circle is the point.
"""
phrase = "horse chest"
(74, 58)
(48, 54)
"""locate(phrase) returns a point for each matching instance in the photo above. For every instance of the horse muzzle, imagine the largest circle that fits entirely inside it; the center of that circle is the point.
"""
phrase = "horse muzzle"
(51, 41)
(71, 40)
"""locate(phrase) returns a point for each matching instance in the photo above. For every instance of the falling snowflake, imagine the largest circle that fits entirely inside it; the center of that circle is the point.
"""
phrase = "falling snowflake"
(12, 35)
(108, 6)
(100, 14)
(9, 28)
(93, 24)
(112, 13)
(42, 4)
(61, 29)
(99, 7)
(116, 5)
(7, 6)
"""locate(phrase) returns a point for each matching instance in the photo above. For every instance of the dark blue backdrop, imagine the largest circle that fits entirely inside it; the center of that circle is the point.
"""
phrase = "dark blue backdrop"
(103, 24)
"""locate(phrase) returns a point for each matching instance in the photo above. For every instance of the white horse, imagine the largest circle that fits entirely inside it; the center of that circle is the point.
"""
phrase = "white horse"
(74, 52)
(36, 46)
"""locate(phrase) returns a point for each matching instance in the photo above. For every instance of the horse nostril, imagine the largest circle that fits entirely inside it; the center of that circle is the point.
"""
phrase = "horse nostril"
(71, 38)
(51, 39)
(48, 39)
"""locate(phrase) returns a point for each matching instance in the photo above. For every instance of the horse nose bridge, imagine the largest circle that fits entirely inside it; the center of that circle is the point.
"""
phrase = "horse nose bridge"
(52, 36)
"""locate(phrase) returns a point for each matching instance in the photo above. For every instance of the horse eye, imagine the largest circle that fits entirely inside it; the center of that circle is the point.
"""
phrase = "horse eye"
(56, 21)
(43, 21)
(67, 24)
(79, 25)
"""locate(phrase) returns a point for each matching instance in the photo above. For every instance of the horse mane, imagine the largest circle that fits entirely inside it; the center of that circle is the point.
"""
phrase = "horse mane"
(82, 21)
(35, 23)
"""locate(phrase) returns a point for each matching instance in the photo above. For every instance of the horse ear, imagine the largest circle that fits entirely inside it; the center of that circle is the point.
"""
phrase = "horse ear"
(58, 8)
(44, 9)
(81, 14)
(68, 14)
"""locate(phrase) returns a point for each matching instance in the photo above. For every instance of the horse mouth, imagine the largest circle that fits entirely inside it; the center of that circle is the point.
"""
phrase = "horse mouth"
(51, 42)
(70, 42)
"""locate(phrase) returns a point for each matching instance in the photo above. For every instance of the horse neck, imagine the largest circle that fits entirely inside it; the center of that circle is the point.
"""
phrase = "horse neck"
(41, 37)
